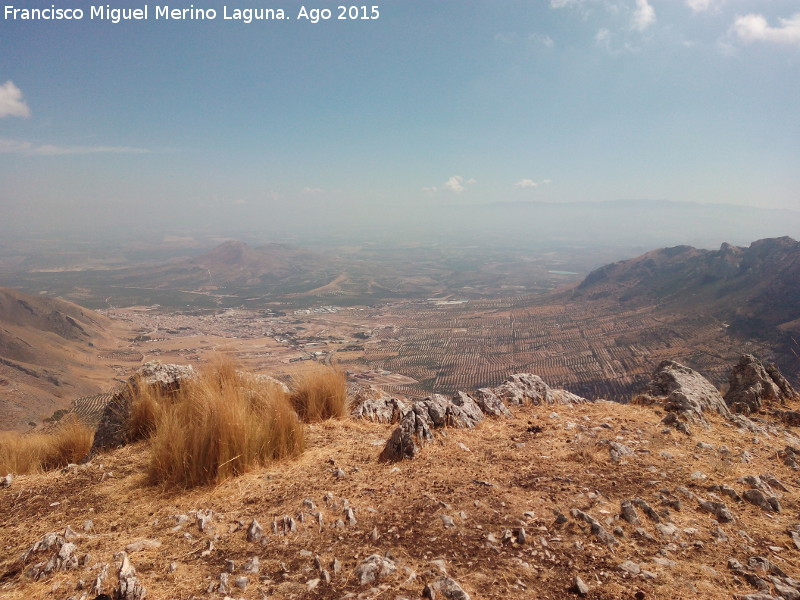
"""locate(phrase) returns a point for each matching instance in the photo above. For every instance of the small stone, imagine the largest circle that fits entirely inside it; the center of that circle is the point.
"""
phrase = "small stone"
(719, 534)
(88, 525)
(447, 521)
(241, 582)
(444, 588)
(140, 545)
(579, 585)
(223, 587)
(667, 529)
(350, 516)
(631, 567)
(521, 536)
(254, 532)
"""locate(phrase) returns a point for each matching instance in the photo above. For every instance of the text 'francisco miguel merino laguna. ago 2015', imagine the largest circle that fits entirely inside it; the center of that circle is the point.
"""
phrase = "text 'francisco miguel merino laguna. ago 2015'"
(191, 13)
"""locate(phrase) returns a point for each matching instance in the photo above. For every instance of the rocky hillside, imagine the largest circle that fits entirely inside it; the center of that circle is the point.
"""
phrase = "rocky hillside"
(754, 290)
(759, 284)
(48, 355)
(517, 491)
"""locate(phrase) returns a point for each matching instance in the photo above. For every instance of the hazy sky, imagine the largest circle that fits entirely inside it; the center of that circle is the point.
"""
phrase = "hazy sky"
(435, 102)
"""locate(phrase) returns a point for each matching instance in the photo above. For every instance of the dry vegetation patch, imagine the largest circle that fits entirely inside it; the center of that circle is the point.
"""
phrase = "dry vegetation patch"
(320, 394)
(29, 453)
(219, 424)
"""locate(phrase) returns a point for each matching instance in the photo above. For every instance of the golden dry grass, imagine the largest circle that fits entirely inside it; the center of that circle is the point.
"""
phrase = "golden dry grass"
(221, 424)
(320, 394)
(28, 453)
(147, 407)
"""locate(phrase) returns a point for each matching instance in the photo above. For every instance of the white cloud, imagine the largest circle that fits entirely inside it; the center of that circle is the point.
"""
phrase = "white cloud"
(603, 38)
(312, 190)
(533, 40)
(704, 5)
(754, 28)
(11, 102)
(643, 16)
(8, 146)
(525, 184)
(455, 184)
(540, 38)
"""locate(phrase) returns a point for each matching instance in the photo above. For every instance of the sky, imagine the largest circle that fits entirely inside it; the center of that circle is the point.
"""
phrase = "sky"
(175, 124)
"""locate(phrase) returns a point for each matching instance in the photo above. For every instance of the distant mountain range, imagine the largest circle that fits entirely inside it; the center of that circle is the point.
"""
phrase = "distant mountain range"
(234, 263)
(754, 289)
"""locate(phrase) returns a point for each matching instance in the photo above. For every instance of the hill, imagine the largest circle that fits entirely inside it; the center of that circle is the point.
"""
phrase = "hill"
(587, 499)
(48, 356)
(755, 290)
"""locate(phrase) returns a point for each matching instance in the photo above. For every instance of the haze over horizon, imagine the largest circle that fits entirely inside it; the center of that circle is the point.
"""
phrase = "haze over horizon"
(162, 125)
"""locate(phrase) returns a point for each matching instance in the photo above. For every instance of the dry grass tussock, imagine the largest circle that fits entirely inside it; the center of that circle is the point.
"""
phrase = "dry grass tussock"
(219, 425)
(28, 453)
(147, 408)
(320, 394)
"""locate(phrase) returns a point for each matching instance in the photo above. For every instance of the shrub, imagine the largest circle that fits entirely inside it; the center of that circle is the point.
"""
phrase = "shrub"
(320, 394)
(221, 424)
(31, 452)
(147, 405)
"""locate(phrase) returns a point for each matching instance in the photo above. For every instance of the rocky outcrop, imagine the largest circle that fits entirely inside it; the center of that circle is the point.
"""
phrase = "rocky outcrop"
(376, 405)
(684, 391)
(63, 557)
(129, 586)
(464, 411)
(374, 568)
(417, 425)
(753, 385)
(111, 431)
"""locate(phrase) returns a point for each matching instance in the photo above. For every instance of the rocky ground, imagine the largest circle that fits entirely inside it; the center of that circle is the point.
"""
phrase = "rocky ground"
(562, 499)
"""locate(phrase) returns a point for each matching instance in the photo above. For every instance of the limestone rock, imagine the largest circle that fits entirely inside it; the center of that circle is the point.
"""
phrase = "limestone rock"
(63, 557)
(417, 425)
(140, 545)
(721, 512)
(524, 388)
(375, 567)
(129, 586)
(111, 431)
(595, 526)
(445, 588)
(490, 404)
(376, 405)
(684, 391)
(255, 532)
(764, 502)
(753, 384)
(628, 512)
(579, 586)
